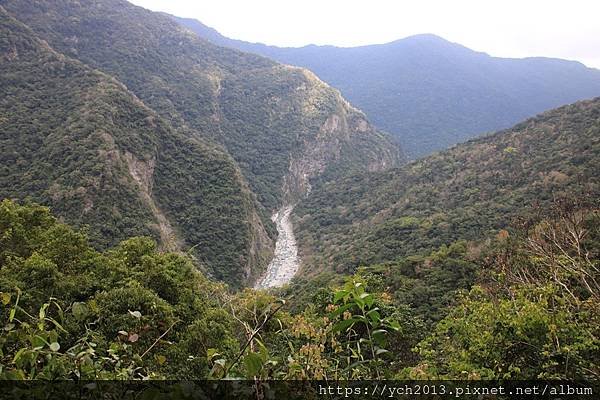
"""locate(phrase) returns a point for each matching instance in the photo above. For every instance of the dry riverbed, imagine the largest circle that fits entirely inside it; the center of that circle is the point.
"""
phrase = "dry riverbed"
(285, 262)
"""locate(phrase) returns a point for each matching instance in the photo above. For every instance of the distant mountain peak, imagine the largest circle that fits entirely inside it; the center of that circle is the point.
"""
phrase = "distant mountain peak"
(430, 92)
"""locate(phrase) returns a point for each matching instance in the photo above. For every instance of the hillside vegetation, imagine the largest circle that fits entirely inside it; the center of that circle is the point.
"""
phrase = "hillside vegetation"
(139, 168)
(76, 139)
(268, 116)
(429, 92)
(207, 141)
(471, 191)
(70, 312)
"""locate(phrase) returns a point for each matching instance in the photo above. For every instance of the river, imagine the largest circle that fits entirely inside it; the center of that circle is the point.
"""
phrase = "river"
(285, 262)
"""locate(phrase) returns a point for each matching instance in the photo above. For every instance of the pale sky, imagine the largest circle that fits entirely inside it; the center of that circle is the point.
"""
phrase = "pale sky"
(568, 29)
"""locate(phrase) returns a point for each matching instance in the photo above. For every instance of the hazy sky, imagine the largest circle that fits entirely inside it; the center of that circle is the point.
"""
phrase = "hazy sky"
(567, 29)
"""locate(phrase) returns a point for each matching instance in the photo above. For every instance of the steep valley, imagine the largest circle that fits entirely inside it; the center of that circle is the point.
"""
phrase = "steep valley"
(469, 192)
(183, 220)
(276, 129)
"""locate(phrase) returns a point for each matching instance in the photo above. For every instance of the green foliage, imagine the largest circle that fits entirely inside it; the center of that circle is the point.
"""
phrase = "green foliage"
(38, 353)
(347, 342)
(428, 284)
(107, 304)
(70, 312)
(534, 335)
(60, 123)
(114, 315)
(535, 314)
(469, 192)
(364, 329)
(79, 141)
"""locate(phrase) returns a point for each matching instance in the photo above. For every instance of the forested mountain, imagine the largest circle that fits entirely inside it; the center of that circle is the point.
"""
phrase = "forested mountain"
(432, 93)
(206, 142)
(470, 192)
(78, 140)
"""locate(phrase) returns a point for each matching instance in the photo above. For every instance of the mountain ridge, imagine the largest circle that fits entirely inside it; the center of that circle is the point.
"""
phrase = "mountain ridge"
(432, 93)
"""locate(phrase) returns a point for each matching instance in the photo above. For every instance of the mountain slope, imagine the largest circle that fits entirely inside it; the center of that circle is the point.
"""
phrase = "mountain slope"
(278, 128)
(268, 116)
(432, 93)
(77, 140)
(468, 192)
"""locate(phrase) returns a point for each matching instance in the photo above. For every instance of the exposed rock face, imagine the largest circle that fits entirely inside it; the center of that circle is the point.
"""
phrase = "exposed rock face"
(142, 173)
(339, 143)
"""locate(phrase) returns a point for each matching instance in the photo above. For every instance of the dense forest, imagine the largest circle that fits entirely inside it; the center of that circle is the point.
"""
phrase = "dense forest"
(141, 166)
(69, 311)
(76, 139)
(262, 112)
(470, 191)
(216, 139)
(429, 92)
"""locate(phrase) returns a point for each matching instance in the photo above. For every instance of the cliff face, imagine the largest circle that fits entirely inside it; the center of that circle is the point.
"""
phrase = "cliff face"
(251, 134)
(344, 143)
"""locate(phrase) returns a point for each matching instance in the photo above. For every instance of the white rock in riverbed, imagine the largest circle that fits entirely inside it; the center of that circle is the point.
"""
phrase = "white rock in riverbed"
(285, 262)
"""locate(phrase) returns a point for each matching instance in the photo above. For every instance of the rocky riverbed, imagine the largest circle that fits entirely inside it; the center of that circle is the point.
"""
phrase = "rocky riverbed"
(285, 262)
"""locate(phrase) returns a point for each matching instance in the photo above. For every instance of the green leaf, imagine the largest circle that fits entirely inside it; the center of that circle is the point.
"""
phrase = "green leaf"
(211, 353)
(368, 299)
(394, 325)
(18, 355)
(39, 341)
(374, 315)
(381, 351)
(379, 336)
(160, 359)
(136, 314)
(43, 311)
(344, 325)
(359, 302)
(253, 363)
(264, 353)
(56, 324)
(54, 346)
(340, 294)
(360, 318)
